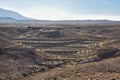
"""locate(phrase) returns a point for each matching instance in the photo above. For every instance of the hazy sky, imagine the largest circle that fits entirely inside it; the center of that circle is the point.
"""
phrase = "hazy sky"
(65, 9)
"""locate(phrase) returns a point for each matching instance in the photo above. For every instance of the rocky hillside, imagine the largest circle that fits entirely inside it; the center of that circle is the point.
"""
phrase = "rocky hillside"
(16, 65)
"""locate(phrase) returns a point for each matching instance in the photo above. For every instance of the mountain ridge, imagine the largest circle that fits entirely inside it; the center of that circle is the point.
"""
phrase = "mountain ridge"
(13, 16)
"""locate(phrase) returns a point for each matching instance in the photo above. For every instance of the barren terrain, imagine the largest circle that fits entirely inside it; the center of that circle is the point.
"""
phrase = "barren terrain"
(59, 51)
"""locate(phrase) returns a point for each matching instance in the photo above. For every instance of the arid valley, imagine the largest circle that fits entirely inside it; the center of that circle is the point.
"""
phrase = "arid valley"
(59, 51)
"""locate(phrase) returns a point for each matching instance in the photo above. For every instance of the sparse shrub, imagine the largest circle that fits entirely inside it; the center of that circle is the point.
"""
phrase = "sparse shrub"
(66, 76)
(113, 79)
(54, 79)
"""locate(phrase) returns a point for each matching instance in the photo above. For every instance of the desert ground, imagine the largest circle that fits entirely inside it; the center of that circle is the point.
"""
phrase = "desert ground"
(59, 51)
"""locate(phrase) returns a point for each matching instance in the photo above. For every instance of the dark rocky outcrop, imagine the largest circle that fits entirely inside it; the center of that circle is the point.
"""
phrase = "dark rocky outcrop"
(51, 34)
(107, 53)
(1, 51)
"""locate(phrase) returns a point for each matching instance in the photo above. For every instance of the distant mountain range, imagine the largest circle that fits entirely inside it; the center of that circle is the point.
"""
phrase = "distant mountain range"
(12, 16)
